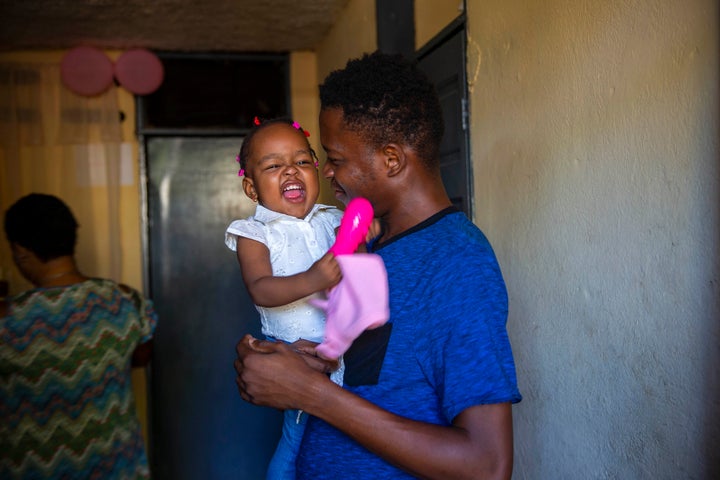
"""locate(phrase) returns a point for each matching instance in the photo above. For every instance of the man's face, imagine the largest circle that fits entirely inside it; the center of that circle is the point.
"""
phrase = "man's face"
(351, 165)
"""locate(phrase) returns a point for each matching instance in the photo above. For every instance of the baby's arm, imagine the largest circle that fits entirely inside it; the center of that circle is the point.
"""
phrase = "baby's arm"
(267, 290)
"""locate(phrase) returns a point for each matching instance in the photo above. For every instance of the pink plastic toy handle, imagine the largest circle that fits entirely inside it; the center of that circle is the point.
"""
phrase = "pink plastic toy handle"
(353, 227)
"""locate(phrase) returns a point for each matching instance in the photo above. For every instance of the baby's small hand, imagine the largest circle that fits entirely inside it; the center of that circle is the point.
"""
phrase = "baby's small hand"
(325, 273)
(374, 231)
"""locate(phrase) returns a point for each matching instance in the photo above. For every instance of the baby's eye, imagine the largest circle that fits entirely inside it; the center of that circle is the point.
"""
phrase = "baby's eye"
(272, 166)
(304, 162)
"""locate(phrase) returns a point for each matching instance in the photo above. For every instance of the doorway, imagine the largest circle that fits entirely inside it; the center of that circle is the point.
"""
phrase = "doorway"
(190, 130)
(200, 427)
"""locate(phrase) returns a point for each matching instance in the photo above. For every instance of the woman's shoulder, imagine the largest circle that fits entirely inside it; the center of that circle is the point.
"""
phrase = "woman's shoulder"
(103, 287)
(116, 292)
(52, 300)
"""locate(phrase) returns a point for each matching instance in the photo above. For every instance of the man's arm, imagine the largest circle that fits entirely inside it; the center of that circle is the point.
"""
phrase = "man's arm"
(267, 290)
(478, 445)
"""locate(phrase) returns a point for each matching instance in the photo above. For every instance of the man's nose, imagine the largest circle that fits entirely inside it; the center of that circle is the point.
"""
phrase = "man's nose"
(327, 170)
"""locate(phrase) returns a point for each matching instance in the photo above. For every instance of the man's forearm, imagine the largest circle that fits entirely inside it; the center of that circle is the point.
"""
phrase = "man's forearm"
(477, 446)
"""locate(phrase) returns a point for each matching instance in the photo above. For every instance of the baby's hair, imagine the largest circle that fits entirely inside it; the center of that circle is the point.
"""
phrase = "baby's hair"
(386, 98)
(259, 125)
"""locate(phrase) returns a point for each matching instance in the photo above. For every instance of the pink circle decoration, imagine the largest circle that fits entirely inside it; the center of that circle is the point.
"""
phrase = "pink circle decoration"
(86, 71)
(140, 71)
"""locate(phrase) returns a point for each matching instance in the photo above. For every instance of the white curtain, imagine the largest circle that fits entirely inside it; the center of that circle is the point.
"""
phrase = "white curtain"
(57, 142)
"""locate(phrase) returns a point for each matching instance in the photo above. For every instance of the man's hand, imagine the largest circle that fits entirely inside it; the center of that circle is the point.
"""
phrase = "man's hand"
(308, 353)
(277, 375)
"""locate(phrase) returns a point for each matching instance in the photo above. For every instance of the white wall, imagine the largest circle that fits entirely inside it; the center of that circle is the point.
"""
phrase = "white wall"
(594, 131)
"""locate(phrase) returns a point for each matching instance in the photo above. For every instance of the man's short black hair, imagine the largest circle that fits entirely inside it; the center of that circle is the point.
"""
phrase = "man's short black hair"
(387, 98)
(43, 224)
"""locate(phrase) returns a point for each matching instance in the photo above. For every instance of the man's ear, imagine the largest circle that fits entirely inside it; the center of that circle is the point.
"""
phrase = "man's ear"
(249, 188)
(395, 159)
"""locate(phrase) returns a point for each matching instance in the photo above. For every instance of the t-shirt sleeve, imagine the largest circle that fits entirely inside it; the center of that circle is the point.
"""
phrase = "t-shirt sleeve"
(146, 313)
(468, 355)
(247, 228)
(149, 319)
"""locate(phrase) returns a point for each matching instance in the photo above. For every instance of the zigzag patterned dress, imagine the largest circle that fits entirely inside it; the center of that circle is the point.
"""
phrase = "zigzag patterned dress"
(67, 409)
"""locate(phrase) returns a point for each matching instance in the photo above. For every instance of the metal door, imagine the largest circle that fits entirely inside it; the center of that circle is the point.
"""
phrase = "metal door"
(443, 60)
(200, 427)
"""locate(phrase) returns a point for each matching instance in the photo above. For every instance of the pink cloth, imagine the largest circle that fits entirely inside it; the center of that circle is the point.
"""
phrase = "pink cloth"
(359, 302)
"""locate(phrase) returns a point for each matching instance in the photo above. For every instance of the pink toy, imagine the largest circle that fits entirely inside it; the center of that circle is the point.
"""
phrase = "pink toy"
(359, 302)
(353, 227)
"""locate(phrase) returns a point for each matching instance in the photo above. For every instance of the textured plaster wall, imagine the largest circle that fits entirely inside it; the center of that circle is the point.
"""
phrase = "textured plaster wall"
(353, 34)
(304, 93)
(594, 132)
(306, 106)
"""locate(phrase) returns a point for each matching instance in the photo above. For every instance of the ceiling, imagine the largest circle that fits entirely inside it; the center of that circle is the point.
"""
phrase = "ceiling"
(177, 25)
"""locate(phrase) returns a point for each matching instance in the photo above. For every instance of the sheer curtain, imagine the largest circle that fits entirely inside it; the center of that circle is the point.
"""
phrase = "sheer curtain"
(57, 142)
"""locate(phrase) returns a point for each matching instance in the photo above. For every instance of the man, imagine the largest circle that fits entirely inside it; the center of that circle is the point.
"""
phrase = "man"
(429, 394)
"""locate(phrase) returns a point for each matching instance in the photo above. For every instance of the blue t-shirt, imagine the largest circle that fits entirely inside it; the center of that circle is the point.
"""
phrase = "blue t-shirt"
(444, 349)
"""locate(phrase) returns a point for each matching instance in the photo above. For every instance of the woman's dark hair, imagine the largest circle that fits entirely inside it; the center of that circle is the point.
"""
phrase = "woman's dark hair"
(260, 125)
(43, 224)
(386, 98)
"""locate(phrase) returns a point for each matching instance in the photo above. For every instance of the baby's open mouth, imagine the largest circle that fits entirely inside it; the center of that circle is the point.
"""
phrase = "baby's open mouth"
(293, 191)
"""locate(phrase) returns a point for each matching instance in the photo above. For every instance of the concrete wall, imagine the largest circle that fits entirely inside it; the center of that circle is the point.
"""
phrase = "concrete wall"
(353, 34)
(594, 132)
(431, 16)
(304, 94)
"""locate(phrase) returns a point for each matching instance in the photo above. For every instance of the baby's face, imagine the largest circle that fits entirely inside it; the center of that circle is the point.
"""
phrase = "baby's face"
(281, 171)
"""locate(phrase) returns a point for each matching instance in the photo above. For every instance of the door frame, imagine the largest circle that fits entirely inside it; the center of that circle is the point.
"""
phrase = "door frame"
(143, 133)
(457, 26)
